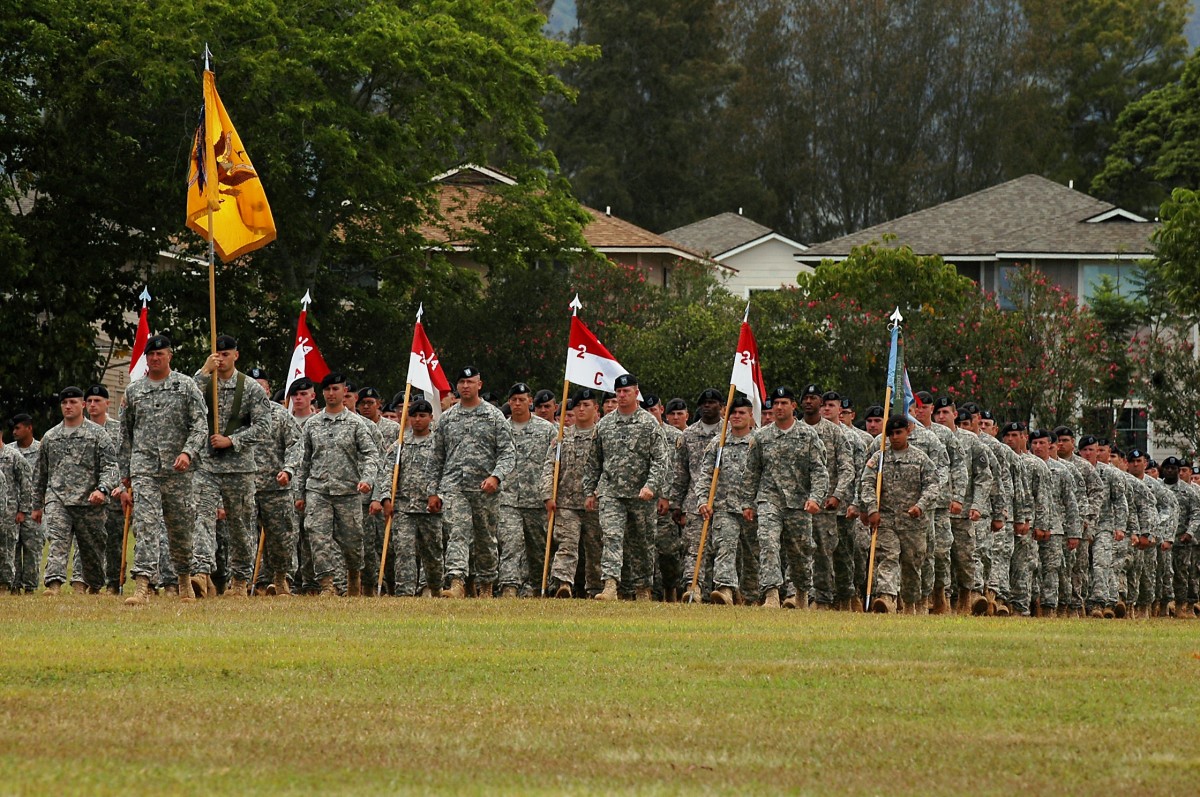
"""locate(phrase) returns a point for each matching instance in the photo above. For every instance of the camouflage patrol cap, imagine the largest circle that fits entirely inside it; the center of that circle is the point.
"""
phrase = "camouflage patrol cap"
(708, 394)
(518, 389)
(157, 343)
(368, 393)
(942, 401)
(257, 373)
(676, 405)
(96, 390)
(70, 393)
(587, 394)
(1087, 440)
(468, 371)
(811, 390)
(874, 411)
(542, 397)
(226, 343)
(650, 401)
(626, 380)
(783, 392)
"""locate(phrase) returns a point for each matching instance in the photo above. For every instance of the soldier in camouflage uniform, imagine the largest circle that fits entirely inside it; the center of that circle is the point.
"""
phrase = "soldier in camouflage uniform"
(300, 398)
(937, 576)
(1025, 550)
(385, 432)
(908, 494)
(226, 472)
(522, 525)
(1160, 555)
(849, 560)
(473, 452)
(668, 535)
(999, 508)
(163, 429)
(276, 509)
(29, 536)
(1089, 490)
(416, 532)
(76, 471)
(818, 576)
(734, 539)
(1184, 536)
(686, 484)
(334, 463)
(625, 471)
(574, 526)
(976, 504)
(1111, 518)
(96, 403)
(16, 501)
(1143, 582)
(785, 478)
(1064, 522)
(1018, 514)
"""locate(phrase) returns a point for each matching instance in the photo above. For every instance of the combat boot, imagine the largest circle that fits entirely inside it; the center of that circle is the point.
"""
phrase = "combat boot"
(1120, 610)
(789, 602)
(184, 591)
(1108, 613)
(643, 594)
(940, 604)
(210, 586)
(1075, 613)
(456, 589)
(1097, 612)
(281, 586)
(563, 591)
(199, 586)
(1002, 609)
(977, 604)
(53, 589)
(508, 592)
(327, 588)
(722, 596)
(1061, 611)
(112, 589)
(78, 588)
(1183, 610)
(771, 599)
(353, 583)
(484, 589)
(802, 600)
(610, 590)
(856, 604)
(921, 607)
(236, 588)
(883, 604)
(140, 596)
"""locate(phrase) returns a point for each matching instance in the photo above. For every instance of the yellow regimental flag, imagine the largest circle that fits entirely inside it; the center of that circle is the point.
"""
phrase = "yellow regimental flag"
(222, 179)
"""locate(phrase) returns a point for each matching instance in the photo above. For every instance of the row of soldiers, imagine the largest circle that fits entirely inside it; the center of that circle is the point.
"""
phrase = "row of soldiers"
(967, 515)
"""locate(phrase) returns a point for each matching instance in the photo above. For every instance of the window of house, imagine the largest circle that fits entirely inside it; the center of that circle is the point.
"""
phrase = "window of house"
(1132, 430)
(1126, 276)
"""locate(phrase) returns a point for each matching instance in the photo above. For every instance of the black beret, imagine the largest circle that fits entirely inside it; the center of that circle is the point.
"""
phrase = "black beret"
(420, 405)
(676, 405)
(19, 418)
(1171, 462)
(709, 394)
(986, 415)
(1038, 434)
(158, 343)
(334, 378)
(351, 387)
(1136, 453)
(964, 417)
(518, 389)
(942, 401)
(368, 392)
(1196, 469)
(570, 404)
(96, 390)
(896, 422)
(1116, 452)
(971, 407)
(1013, 426)
(1053, 437)
(925, 396)
(1087, 440)
(226, 343)
(1103, 441)
(741, 401)
(847, 403)
(1152, 463)
(506, 410)
(467, 372)
(70, 393)
(831, 395)
(783, 392)
(626, 380)
(278, 397)
(257, 373)
(649, 401)
(303, 383)
(874, 411)
(812, 390)
(491, 398)
(1064, 431)
(587, 394)
(542, 397)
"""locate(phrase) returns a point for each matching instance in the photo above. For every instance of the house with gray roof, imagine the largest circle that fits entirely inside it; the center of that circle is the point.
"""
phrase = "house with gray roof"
(756, 257)
(1073, 238)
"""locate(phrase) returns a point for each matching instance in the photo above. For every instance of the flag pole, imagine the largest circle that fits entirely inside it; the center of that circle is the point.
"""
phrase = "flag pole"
(387, 527)
(258, 557)
(125, 546)
(212, 316)
(562, 424)
(895, 318)
(712, 495)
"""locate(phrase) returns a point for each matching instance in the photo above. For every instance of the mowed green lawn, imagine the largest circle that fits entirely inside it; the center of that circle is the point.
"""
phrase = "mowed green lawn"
(313, 696)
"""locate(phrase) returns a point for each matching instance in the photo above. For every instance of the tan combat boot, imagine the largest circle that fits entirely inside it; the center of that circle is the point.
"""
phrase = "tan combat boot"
(485, 590)
(920, 607)
(1108, 613)
(281, 586)
(802, 600)
(353, 583)
(722, 596)
(771, 599)
(328, 590)
(940, 604)
(884, 604)
(141, 595)
(78, 588)
(610, 590)
(198, 585)
(53, 589)
(1002, 609)
(856, 604)
(643, 594)
(563, 591)
(789, 602)
(236, 588)
(508, 592)
(456, 589)
(1183, 610)
(112, 589)
(1121, 609)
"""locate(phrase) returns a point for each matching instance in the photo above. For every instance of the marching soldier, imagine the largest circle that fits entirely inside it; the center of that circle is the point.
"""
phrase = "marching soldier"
(850, 559)
(522, 524)
(839, 461)
(574, 525)
(1111, 518)
(545, 406)
(272, 497)
(686, 484)
(1186, 531)
(96, 403)
(668, 526)
(28, 536)
(734, 538)
(976, 504)
(383, 432)
(936, 577)
(1064, 523)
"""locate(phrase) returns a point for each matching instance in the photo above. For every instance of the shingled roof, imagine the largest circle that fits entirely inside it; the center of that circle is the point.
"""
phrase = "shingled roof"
(718, 234)
(1026, 216)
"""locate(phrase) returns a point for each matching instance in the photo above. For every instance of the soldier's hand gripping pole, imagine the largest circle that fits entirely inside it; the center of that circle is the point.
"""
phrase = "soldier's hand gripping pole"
(712, 495)
(387, 526)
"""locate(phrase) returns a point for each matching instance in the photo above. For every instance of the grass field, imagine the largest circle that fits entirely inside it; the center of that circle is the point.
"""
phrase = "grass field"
(314, 696)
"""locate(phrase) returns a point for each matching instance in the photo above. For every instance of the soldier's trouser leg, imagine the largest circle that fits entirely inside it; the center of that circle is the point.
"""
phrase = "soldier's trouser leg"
(533, 522)
(726, 536)
(1122, 564)
(927, 567)
(887, 561)
(1166, 574)
(1104, 581)
(748, 560)
(1081, 574)
(627, 525)
(962, 551)
(770, 543)
(565, 563)
(1064, 574)
(862, 557)
(982, 560)
(1193, 574)
(84, 524)
(668, 544)
(914, 550)
(1148, 577)
(1021, 575)
(163, 510)
(114, 533)
(372, 533)
(943, 545)
(797, 544)
(591, 543)
(208, 501)
(429, 547)
(825, 540)
(1003, 542)
(58, 553)
(8, 549)
(404, 553)
(277, 516)
(28, 565)
(334, 523)
(511, 543)
(1050, 557)
(843, 560)
(1181, 556)
(237, 494)
(691, 546)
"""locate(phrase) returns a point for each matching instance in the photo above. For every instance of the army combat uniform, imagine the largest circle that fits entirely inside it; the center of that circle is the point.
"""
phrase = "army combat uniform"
(275, 506)
(522, 523)
(574, 526)
(16, 497)
(734, 539)
(416, 532)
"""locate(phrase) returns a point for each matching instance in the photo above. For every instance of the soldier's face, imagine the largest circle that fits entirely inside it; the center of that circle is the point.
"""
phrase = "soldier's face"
(72, 409)
(420, 422)
(547, 410)
(874, 425)
(1066, 446)
(225, 361)
(368, 407)
(335, 396)
(158, 363)
(846, 417)
(1090, 453)
(1015, 441)
(468, 389)
(519, 404)
(350, 400)
(610, 404)
(899, 437)
(585, 412)
(784, 409)
(627, 400)
(1170, 473)
(810, 404)
(1104, 453)
(946, 416)
(23, 433)
(1040, 447)
(923, 412)
(740, 419)
(392, 416)
(657, 412)
(988, 426)
(1137, 467)
(830, 410)
(569, 418)
(265, 385)
(710, 411)
(678, 419)
(97, 406)
(302, 399)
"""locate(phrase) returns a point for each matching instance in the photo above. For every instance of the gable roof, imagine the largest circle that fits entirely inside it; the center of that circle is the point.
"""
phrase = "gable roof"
(726, 234)
(1029, 216)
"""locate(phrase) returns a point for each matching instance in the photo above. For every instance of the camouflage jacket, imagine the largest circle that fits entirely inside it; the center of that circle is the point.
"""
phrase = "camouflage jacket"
(1003, 493)
(523, 487)
(272, 452)
(1041, 488)
(1113, 513)
(160, 421)
(628, 452)
(839, 461)
(909, 479)
(785, 468)
(469, 445)
(576, 448)
(689, 462)
(72, 462)
(674, 442)
(336, 452)
(1168, 510)
(729, 481)
(252, 426)
(1064, 508)
(416, 462)
(930, 445)
(978, 495)
(957, 464)
(16, 481)
(1143, 509)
